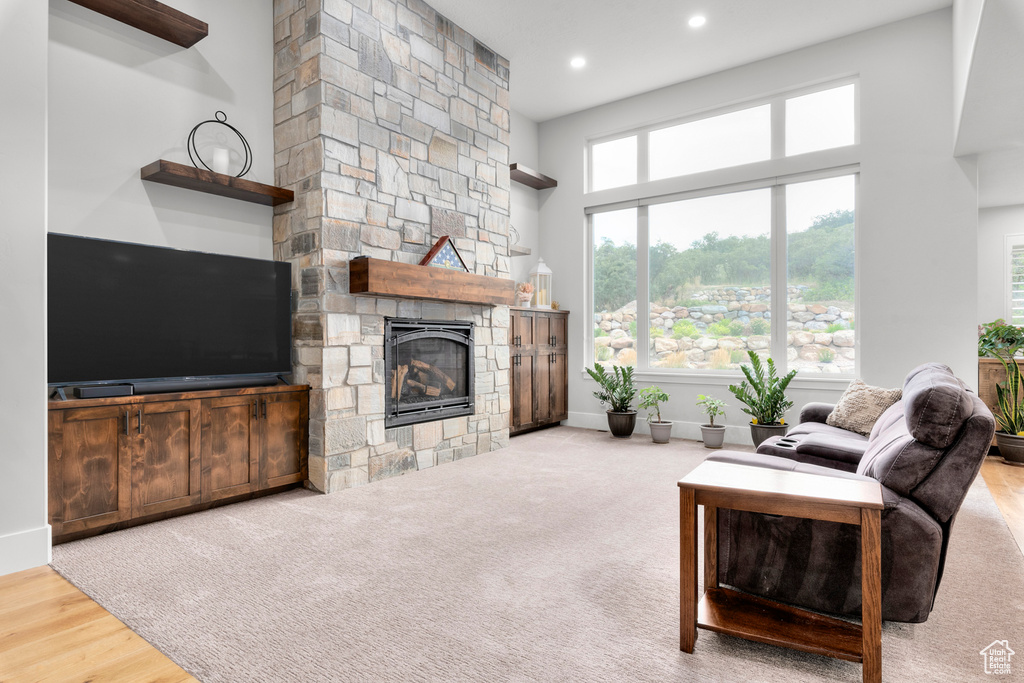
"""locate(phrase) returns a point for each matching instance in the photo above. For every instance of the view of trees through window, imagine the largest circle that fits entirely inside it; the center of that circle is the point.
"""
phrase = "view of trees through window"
(709, 274)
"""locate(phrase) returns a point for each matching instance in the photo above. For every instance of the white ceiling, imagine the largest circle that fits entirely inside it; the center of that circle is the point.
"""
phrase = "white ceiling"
(633, 46)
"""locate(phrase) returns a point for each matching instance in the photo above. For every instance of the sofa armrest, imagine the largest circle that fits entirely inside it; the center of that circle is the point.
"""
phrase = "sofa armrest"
(773, 462)
(816, 412)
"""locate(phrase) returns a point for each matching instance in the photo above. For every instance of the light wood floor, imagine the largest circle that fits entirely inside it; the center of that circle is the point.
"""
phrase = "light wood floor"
(50, 631)
(1006, 482)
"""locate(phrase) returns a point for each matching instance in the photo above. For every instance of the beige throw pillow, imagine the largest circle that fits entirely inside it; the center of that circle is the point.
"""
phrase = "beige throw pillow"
(860, 406)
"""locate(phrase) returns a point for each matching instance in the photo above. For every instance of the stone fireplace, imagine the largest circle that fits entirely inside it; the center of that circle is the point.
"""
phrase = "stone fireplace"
(391, 126)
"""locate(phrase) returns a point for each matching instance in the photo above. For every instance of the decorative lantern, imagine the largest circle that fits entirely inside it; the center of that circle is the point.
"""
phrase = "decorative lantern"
(540, 278)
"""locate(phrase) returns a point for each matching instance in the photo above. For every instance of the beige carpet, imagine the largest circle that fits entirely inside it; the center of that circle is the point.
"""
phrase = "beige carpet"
(553, 560)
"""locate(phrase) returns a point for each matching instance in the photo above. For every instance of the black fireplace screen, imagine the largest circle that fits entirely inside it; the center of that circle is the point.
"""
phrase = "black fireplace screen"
(429, 367)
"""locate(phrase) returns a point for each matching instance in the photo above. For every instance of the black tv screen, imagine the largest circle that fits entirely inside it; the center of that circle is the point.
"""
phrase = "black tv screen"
(121, 312)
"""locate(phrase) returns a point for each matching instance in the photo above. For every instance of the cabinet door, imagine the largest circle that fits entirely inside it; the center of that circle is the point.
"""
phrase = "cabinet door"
(522, 330)
(542, 325)
(542, 389)
(284, 429)
(89, 468)
(230, 453)
(559, 329)
(559, 386)
(165, 462)
(522, 391)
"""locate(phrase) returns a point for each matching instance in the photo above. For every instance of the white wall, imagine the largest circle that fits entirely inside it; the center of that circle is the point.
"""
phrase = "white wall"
(24, 533)
(917, 217)
(994, 226)
(121, 98)
(523, 210)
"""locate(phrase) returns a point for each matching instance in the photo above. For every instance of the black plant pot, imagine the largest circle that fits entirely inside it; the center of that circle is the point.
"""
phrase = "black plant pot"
(761, 432)
(621, 425)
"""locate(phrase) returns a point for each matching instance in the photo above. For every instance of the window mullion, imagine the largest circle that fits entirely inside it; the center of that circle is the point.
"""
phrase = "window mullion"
(779, 304)
(643, 305)
(643, 166)
(778, 128)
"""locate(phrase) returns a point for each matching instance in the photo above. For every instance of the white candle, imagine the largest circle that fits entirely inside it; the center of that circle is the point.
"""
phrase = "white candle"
(220, 160)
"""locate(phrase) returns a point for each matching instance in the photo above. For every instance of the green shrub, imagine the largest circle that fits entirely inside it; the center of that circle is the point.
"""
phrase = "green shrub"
(598, 332)
(826, 355)
(657, 332)
(685, 328)
(736, 356)
(835, 327)
(603, 353)
(719, 329)
(726, 328)
(760, 326)
(632, 329)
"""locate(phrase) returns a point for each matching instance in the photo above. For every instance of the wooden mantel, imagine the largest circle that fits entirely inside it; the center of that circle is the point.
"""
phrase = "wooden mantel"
(402, 280)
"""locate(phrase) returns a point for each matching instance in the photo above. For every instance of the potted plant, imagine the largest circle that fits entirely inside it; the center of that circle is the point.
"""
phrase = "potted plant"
(765, 398)
(524, 292)
(617, 391)
(651, 399)
(1003, 342)
(713, 435)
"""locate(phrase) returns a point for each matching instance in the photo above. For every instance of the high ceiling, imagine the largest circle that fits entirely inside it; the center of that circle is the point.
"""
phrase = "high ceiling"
(632, 46)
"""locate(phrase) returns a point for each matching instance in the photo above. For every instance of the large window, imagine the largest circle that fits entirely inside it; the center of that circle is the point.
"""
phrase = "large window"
(684, 282)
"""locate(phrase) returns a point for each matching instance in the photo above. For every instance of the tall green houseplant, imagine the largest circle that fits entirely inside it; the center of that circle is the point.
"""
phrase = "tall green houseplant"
(1003, 342)
(763, 394)
(616, 389)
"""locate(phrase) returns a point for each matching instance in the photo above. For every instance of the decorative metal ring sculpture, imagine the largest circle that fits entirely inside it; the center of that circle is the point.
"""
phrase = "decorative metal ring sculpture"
(221, 118)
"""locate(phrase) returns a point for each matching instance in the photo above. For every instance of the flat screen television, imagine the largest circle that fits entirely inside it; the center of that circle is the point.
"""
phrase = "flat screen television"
(164, 319)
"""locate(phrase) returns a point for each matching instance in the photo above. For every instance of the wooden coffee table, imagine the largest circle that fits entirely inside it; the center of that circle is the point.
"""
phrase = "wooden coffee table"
(793, 494)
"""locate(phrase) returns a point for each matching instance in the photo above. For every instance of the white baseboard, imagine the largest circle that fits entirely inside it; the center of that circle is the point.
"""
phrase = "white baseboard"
(735, 435)
(24, 550)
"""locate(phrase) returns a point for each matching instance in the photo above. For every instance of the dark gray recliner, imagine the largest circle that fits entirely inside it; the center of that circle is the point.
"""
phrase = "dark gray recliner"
(925, 450)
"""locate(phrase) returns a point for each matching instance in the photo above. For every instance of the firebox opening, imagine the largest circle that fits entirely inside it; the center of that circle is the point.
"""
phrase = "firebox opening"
(429, 365)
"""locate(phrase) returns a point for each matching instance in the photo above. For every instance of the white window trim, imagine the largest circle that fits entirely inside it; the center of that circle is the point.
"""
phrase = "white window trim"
(1010, 242)
(779, 279)
(798, 162)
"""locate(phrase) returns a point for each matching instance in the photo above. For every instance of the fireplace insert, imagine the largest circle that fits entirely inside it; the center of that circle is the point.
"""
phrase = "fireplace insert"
(429, 370)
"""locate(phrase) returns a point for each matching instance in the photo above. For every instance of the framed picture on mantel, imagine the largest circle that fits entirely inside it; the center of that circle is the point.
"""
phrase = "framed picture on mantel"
(444, 255)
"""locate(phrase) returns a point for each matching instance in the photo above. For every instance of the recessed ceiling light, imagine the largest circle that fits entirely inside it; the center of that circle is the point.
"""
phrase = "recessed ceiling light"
(697, 21)
(578, 62)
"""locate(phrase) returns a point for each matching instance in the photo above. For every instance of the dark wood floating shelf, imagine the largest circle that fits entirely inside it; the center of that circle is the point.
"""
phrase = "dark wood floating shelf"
(201, 180)
(531, 178)
(519, 251)
(406, 281)
(152, 17)
(754, 618)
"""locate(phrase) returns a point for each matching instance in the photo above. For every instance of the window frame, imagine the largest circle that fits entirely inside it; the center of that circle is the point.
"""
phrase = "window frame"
(774, 173)
(1010, 244)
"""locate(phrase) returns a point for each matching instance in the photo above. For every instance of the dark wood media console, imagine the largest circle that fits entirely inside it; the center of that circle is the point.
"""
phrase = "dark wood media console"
(118, 462)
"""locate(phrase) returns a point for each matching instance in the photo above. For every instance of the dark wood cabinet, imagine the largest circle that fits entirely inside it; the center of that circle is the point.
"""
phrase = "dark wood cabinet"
(540, 379)
(116, 462)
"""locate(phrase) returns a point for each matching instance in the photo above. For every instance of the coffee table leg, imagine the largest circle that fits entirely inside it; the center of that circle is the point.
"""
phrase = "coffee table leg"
(871, 593)
(687, 569)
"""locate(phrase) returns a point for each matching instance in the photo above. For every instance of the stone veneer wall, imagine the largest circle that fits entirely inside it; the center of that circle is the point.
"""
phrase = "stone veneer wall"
(392, 127)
